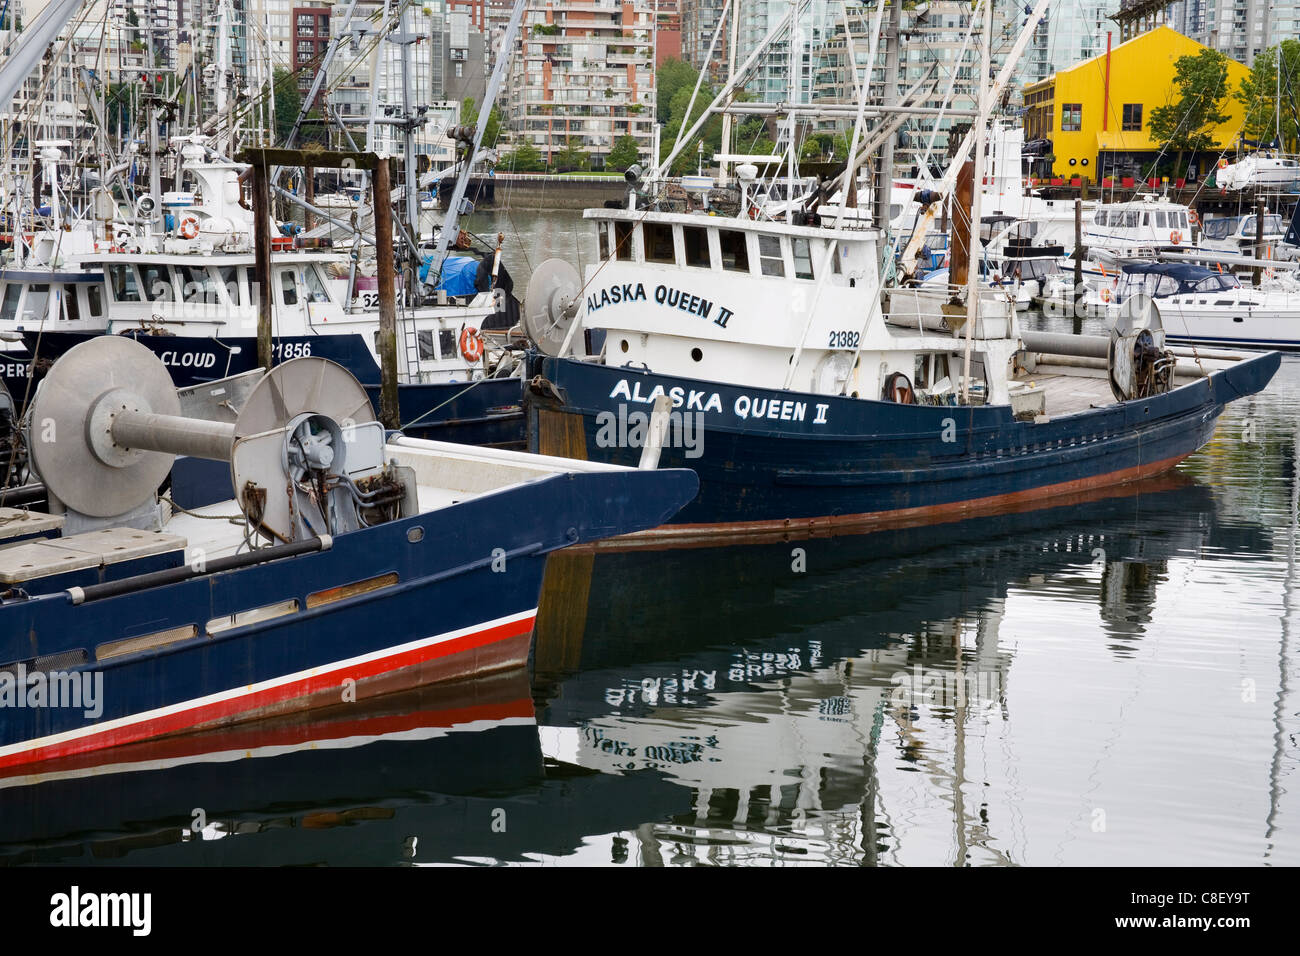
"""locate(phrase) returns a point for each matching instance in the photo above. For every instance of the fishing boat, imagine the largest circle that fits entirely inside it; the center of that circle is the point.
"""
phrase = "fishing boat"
(252, 584)
(806, 399)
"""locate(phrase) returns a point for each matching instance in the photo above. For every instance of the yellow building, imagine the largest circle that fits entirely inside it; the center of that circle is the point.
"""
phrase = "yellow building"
(1095, 117)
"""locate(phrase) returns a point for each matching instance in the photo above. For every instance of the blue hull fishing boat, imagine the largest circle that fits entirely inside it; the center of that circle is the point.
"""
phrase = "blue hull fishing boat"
(808, 393)
(347, 563)
(781, 461)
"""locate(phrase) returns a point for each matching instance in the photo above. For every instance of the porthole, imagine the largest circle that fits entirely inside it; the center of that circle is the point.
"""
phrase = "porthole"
(697, 355)
(623, 345)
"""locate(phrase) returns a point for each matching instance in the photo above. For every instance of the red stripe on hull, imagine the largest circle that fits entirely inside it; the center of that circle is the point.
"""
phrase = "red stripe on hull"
(711, 535)
(492, 649)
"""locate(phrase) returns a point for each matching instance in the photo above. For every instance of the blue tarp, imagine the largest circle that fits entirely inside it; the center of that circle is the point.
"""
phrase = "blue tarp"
(459, 274)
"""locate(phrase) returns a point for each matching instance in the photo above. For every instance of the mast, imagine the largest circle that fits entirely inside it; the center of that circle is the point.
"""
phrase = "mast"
(449, 225)
(981, 129)
(884, 189)
(724, 166)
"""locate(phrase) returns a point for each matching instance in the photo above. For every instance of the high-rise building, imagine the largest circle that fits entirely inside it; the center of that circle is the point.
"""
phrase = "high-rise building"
(1240, 29)
(584, 71)
(699, 25)
(938, 34)
(1069, 33)
(668, 29)
(785, 71)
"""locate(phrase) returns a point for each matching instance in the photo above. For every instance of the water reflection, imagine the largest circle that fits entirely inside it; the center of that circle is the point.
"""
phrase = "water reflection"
(779, 684)
(439, 774)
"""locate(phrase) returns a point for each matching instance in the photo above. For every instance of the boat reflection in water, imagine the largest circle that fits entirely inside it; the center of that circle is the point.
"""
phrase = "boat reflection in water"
(437, 774)
(776, 682)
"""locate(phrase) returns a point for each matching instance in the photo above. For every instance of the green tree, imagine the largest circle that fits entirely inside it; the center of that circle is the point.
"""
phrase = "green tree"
(624, 154)
(1258, 94)
(817, 147)
(469, 117)
(572, 157)
(673, 74)
(1186, 124)
(288, 101)
(524, 158)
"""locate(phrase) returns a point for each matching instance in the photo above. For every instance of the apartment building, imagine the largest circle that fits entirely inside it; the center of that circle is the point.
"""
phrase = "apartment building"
(584, 70)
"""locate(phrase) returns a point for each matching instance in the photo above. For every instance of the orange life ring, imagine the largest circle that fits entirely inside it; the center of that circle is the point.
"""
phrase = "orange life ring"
(1192, 218)
(471, 344)
(189, 228)
(1105, 295)
(1175, 237)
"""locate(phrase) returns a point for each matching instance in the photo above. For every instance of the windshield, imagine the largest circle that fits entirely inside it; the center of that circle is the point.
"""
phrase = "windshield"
(1272, 224)
(1219, 228)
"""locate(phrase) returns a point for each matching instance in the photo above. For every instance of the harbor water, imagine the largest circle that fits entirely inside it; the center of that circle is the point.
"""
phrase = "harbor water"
(1110, 680)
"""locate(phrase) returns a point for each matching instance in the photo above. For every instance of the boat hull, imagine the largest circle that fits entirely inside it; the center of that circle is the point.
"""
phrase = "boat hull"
(439, 596)
(823, 462)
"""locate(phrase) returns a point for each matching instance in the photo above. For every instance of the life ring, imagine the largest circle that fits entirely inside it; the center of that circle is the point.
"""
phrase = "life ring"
(1175, 237)
(1223, 164)
(1192, 218)
(1105, 295)
(898, 388)
(189, 228)
(471, 344)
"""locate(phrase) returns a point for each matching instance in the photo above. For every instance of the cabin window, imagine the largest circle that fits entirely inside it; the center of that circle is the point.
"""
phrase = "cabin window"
(315, 288)
(95, 298)
(230, 279)
(735, 252)
(156, 281)
(1161, 223)
(696, 245)
(197, 284)
(769, 256)
(288, 288)
(623, 240)
(38, 298)
(70, 311)
(1132, 122)
(803, 268)
(424, 342)
(9, 307)
(447, 343)
(1131, 218)
(1101, 217)
(1146, 219)
(125, 288)
(602, 240)
(1071, 117)
(659, 243)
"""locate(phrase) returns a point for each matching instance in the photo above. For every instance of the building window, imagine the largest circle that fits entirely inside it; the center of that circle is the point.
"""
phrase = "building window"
(1071, 117)
(1132, 118)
